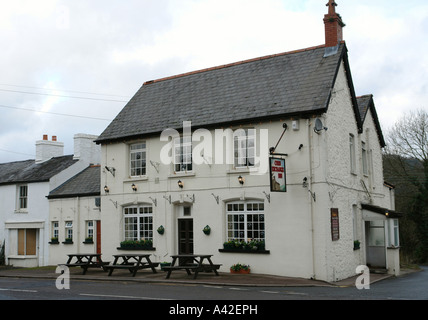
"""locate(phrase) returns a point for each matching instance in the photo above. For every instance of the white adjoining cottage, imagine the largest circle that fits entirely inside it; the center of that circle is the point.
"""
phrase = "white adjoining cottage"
(25, 227)
(272, 162)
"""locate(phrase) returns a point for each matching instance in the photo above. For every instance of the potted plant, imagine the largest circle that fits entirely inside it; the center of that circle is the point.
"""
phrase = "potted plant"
(164, 264)
(54, 240)
(240, 268)
(68, 241)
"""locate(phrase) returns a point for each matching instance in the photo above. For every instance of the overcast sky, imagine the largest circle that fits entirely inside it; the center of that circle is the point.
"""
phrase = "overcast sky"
(78, 62)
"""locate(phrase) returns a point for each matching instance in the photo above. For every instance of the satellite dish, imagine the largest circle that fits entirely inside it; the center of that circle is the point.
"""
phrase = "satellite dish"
(319, 126)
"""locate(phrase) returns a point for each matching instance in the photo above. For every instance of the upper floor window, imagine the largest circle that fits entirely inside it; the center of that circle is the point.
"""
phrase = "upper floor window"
(183, 154)
(244, 141)
(364, 155)
(352, 152)
(138, 159)
(22, 197)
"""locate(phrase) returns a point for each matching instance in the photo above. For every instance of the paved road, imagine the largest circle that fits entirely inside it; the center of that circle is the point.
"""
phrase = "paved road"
(165, 296)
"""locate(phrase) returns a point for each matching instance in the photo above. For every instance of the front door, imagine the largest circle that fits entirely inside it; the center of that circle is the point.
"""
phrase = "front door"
(185, 236)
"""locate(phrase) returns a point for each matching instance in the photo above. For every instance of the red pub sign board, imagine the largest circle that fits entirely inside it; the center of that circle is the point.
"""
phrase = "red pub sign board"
(277, 175)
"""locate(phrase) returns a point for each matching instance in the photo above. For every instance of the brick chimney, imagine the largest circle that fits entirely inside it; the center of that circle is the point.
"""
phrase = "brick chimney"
(333, 28)
(46, 149)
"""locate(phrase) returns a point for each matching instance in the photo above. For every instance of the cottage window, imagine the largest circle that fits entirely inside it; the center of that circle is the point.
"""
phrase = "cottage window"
(69, 230)
(22, 197)
(244, 146)
(55, 230)
(138, 223)
(27, 242)
(183, 154)
(138, 159)
(90, 229)
(245, 221)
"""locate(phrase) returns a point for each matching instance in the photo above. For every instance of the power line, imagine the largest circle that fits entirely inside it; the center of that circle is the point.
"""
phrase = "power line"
(25, 154)
(55, 113)
(73, 91)
(62, 96)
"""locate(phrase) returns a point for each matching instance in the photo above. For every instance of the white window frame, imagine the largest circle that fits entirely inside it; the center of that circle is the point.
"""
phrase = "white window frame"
(138, 159)
(352, 153)
(242, 223)
(69, 230)
(183, 154)
(138, 222)
(90, 229)
(22, 197)
(364, 156)
(244, 148)
(55, 229)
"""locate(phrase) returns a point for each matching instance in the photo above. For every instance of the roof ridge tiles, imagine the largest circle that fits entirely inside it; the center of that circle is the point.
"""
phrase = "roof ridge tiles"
(234, 64)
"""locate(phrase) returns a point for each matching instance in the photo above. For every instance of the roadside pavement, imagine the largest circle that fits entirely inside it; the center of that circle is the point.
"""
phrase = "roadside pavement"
(224, 279)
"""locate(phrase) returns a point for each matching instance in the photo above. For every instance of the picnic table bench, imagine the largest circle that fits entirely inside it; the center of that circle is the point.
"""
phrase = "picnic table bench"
(192, 262)
(132, 262)
(85, 261)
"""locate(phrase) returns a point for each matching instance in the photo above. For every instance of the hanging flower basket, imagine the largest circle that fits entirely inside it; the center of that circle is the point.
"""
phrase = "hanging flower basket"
(161, 230)
(207, 230)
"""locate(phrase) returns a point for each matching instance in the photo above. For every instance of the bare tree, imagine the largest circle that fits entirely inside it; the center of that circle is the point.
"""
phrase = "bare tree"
(406, 165)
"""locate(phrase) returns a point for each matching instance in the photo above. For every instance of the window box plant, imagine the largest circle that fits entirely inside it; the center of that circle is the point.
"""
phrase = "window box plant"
(253, 246)
(136, 245)
(240, 269)
(88, 240)
(68, 241)
(54, 240)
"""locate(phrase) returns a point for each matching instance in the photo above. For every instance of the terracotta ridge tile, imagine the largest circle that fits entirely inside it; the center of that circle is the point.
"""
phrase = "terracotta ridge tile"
(234, 64)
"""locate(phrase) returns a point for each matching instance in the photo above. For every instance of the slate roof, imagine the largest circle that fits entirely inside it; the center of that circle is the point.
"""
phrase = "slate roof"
(366, 103)
(85, 183)
(29, 171)
(288, 84)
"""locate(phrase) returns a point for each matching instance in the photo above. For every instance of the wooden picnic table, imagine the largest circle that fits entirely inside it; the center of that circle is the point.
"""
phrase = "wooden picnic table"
(85, 261)
(132, 262)
(192, 262)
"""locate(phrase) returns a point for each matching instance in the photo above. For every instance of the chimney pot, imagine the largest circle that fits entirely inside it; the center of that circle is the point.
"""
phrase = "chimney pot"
(45, 137)
(53, 138)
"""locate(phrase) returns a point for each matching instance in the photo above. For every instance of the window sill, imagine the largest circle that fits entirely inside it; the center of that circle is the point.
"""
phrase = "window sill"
(21, 211)
(241, 170)
(67, 242)
(182, 174)
(136, 249)
(134, 179)
(244, 251)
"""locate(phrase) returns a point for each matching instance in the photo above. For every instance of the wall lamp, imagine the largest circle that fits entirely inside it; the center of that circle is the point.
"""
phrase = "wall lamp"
(241, 180)
(134, 187)
(180, 184)
(106, 189)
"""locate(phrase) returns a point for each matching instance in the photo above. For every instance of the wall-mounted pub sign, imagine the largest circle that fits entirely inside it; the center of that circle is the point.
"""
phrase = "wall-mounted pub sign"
(277, 175)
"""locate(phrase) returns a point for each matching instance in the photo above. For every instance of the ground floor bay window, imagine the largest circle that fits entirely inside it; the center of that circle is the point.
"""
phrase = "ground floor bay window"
(245, 226)
(138, 227)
